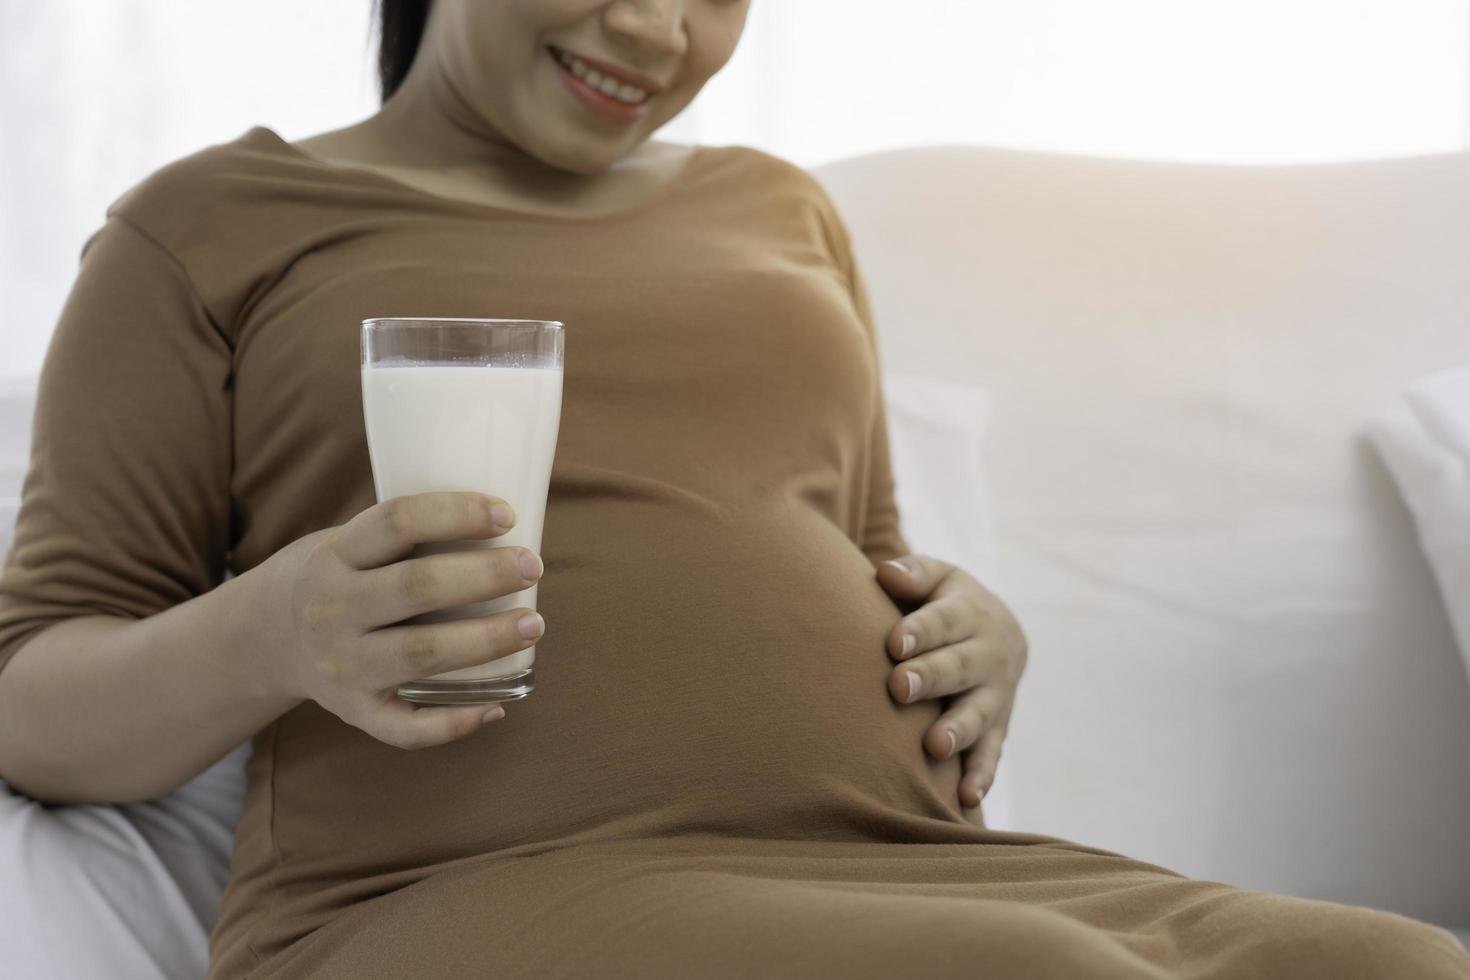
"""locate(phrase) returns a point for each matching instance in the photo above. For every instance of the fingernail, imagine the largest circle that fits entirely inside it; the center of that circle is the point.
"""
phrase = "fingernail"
(500, 514)
(531, 625)
(908, 644)
(952, 742)
(899, 565)
(913, 685)
(492, 715)
(530, 564)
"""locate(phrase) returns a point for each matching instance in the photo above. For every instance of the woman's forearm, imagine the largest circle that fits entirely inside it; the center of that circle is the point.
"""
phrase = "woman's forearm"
(106, 709)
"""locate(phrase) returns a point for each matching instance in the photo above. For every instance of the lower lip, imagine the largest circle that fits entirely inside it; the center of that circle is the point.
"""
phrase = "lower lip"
(604, 105)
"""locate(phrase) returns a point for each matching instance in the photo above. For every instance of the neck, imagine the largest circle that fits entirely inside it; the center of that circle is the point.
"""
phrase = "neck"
(427, 124)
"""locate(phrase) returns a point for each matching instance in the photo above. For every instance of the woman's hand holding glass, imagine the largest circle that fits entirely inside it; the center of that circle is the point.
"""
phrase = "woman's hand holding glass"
(331, 599)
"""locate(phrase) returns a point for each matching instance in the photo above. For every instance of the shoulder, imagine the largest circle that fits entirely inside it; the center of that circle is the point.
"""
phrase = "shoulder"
(171, 202)
(795, 191)
(229, 215)
(774, 169)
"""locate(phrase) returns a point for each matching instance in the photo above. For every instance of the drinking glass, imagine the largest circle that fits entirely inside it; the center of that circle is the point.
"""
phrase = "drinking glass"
(454, 403)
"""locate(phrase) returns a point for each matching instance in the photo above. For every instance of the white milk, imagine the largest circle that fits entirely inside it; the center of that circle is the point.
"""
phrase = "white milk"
(489, 429)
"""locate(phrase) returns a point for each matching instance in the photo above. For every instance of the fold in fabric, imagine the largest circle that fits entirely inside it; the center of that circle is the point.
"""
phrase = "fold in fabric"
(1424, 439)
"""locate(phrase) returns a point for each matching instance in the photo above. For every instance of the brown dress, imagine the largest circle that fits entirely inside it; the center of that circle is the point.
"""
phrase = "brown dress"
(711, 778)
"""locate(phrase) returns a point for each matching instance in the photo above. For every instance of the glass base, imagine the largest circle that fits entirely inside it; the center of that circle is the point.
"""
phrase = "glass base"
(511, 687)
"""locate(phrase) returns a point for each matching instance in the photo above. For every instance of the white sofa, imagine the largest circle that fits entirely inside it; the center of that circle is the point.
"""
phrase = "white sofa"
(1240, 666)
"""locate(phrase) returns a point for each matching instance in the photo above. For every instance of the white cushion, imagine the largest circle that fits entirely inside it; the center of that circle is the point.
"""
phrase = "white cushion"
(936, 434)
(1240, 666)
(95, 891)
(17, 408)
(1424, 438)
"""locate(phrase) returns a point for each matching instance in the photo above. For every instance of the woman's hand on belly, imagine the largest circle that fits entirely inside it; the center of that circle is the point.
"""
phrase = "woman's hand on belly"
(966, 646)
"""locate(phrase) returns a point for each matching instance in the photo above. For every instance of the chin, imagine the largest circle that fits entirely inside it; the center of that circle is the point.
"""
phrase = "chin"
(589, 168)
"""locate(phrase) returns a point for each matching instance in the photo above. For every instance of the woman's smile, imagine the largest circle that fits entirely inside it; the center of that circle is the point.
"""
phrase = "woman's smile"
(587, 88)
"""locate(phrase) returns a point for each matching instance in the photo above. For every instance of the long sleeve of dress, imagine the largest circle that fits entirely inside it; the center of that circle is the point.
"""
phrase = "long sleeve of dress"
(125, 508)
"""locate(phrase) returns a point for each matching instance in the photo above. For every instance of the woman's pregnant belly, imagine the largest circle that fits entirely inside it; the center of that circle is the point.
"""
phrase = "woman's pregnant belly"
(698, 674)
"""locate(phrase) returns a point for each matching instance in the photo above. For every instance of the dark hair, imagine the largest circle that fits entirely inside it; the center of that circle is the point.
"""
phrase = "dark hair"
(400, 29)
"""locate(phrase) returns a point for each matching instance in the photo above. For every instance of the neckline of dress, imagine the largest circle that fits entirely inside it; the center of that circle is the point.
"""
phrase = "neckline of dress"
(669, 188)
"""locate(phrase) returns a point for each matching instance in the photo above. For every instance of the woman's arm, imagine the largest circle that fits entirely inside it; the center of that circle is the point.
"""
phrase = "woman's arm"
(128, 662)
(121, 673)
(106, 709)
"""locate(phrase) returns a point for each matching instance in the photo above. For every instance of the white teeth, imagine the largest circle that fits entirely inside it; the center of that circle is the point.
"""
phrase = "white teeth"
(603, 83)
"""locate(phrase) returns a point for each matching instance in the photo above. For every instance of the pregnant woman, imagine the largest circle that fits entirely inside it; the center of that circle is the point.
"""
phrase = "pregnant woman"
(721, 772)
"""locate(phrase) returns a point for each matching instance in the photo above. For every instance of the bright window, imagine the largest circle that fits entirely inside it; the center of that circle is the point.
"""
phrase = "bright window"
(1205, 80)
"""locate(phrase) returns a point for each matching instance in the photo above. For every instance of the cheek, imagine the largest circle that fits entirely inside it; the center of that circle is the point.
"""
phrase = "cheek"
(481, 57)
(709, 52)
(717, 44)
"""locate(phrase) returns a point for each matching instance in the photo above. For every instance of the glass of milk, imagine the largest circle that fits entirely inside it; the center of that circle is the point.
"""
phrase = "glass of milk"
(466, 404)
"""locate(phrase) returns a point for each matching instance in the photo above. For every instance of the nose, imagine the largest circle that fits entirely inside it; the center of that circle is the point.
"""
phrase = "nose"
(655, 26)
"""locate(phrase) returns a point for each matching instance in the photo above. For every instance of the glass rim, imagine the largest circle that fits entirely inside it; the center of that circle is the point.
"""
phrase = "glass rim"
(410, 320)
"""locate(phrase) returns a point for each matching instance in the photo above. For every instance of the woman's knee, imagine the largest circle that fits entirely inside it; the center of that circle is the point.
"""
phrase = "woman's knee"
(1304, 938)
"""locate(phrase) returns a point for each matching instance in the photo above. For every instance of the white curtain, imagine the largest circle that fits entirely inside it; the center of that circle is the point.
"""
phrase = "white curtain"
(95, 94)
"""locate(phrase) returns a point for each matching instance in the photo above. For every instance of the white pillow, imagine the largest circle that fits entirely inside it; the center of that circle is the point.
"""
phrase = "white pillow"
(97, 891)
(1425, 441)
(936, 435)
(17, 406)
